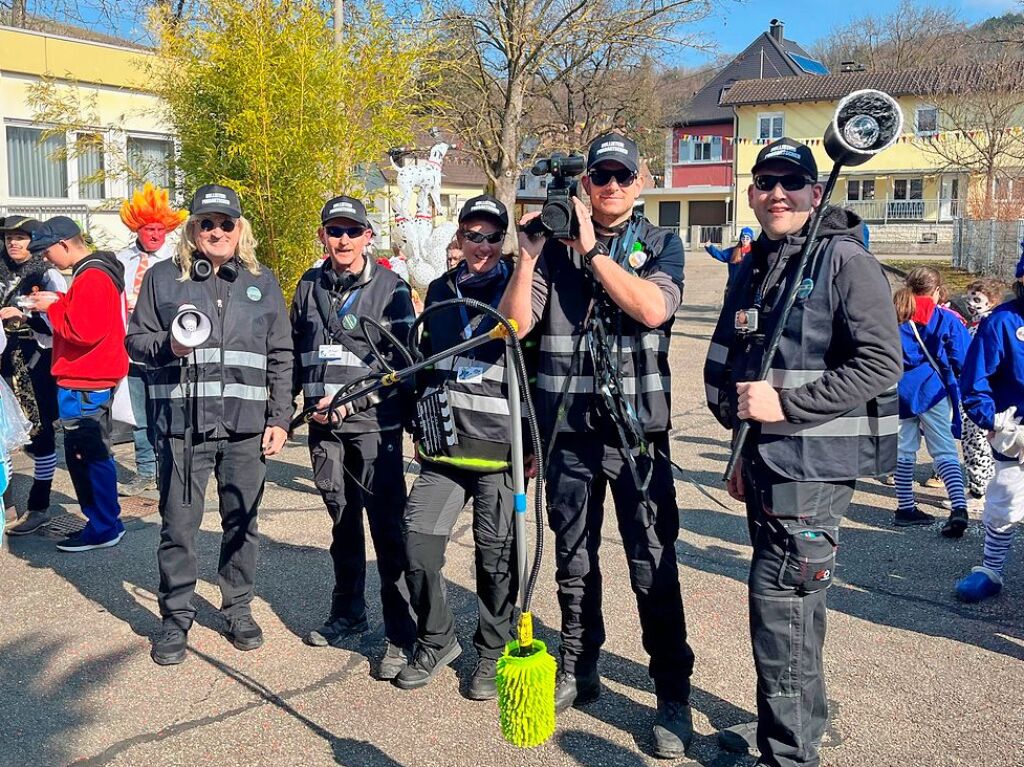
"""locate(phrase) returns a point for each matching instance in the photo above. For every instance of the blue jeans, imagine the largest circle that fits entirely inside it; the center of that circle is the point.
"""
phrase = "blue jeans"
(934, 424)
(85, 419)
(142, 434)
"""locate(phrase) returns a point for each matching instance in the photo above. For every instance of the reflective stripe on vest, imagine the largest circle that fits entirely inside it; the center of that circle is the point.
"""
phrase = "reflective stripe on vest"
(245, 359)
(210, 389)
(566, 344)
(478, 402)
(843, 426)
(651, 382)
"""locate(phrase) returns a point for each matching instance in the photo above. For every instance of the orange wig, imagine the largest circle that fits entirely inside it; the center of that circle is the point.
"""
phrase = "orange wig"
(150, 206)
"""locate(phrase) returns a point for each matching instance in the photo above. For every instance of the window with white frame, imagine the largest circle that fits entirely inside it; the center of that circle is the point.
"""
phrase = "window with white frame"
(926, 121)
(36, 165)
(908, 189)
(700, 149)
(770, 125)
(860, 189)
(150, 159)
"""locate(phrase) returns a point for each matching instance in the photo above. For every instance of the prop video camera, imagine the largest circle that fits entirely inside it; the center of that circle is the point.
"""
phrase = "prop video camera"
(558, 216)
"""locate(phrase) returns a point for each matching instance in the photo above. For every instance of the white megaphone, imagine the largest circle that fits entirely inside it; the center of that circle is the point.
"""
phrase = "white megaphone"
(191, 327)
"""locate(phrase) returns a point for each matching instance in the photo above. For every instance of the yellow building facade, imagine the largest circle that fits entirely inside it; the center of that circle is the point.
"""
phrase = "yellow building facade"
(108, 85)
(909, 195)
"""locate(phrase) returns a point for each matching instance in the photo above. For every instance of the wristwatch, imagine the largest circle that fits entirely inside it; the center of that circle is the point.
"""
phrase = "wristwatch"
(599, 249)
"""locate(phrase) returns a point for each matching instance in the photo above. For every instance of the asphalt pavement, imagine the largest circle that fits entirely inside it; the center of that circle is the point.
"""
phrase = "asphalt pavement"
(914, 677)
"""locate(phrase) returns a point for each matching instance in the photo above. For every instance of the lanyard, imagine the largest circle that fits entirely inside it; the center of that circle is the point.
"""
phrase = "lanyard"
(348, 302)
(467, 328)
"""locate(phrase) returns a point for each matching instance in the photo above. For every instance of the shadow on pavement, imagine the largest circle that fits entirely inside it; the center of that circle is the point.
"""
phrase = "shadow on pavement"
(57, 698)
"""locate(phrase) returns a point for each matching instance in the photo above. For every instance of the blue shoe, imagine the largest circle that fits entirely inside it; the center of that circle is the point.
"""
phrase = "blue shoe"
(85, 541)
(981, 584)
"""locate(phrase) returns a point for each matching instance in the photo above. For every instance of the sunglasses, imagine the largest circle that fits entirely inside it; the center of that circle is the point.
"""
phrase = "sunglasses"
(208, 225)
(791, 182)
(351, 231)
(494, 237)
(603, 176)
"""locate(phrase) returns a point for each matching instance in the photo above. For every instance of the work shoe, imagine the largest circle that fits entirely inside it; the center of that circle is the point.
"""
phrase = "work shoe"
(394, 660)
(426, 665)
(739, 739)
(934, 481)
(982, 583)
(137, 486)
(169, 645)
(912, 518)
(86, 541)
(244, 633)
(483, 685)
(673, 729)
(575, 689)
(32, 521)
(336, 630)
(956, 524)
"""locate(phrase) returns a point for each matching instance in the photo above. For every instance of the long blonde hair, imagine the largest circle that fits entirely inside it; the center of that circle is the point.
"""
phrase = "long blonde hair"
(245, 252)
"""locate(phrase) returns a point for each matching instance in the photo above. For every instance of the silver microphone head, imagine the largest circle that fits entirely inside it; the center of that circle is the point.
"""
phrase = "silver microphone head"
(865, 123)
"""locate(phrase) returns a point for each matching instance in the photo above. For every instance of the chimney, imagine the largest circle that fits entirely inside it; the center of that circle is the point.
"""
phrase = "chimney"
(775, 30)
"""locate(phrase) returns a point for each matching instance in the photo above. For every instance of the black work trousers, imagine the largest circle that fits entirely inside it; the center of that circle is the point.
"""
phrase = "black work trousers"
(353, 472)
(582, 467)
(794, 529)
(240, 470)
(437, 498)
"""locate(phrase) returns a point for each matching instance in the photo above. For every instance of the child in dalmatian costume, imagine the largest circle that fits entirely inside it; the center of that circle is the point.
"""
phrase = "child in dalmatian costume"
(992, 387)
(982, 297)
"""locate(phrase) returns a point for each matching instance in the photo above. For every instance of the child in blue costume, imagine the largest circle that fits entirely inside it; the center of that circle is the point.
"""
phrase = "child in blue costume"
(733, 256)
(993, 395)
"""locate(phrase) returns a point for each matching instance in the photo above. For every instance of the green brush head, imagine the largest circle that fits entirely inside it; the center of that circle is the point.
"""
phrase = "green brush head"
(526, 694)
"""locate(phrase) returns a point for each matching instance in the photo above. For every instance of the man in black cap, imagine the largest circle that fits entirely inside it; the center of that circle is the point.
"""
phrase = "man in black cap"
(356, 451)
(603, 306)
(827, 415)
(477, 466)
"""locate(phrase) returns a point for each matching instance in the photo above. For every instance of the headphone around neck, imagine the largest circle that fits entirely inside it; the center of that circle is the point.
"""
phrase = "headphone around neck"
(202, 268)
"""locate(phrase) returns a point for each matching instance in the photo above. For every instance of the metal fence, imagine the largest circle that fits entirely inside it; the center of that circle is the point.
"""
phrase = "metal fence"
(990, 248)
(80, 213)
(898, 211)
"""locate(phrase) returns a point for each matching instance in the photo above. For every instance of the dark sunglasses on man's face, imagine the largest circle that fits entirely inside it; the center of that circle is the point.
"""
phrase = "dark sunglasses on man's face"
(791, 182)
(352, 231)
(494, 237)
(208, 225)
(603, 176)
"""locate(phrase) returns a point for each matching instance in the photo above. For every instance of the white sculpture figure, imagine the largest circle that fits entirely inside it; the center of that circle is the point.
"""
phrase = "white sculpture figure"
(422, 180)
(424, 246)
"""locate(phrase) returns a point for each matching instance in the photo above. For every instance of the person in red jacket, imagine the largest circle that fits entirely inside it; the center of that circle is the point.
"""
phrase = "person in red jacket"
(89, 358)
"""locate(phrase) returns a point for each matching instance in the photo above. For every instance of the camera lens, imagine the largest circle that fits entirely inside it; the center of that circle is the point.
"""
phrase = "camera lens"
(861, 132)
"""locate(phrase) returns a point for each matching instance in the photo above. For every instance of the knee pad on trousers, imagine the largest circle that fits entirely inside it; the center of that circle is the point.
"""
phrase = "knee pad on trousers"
(425, 552)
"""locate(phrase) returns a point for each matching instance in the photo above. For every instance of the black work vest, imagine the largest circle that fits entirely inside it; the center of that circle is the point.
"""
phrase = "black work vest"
(641, 352)
(860, 442)
(378, 293)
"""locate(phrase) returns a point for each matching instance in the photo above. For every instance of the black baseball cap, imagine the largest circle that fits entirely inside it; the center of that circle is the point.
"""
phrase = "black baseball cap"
(485, 206)
(345, 207)
(789, 151)
(214, 198)
(52, 231)
(22, 224)
(616, 147)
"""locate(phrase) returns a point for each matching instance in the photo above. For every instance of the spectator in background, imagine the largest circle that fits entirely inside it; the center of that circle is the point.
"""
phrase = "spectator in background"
(149, 215)
(25, 363)
(453, 254)
(934, 346)
(733, 256)
(89, 359)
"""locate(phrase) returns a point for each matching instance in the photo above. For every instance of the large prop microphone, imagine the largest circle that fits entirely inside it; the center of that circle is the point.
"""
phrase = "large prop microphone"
(190, 328)
(865, 123)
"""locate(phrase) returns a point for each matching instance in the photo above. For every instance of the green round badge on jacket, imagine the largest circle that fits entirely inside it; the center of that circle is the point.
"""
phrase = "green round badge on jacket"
(349, 322)
(253, 293)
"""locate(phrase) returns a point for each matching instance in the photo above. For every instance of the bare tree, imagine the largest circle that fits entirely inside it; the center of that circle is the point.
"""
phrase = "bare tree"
(513, 57)
(127, 19)
(906, 38)
(981, 114)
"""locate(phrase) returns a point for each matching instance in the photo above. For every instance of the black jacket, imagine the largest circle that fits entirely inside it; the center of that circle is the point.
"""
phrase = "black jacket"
(244, 368)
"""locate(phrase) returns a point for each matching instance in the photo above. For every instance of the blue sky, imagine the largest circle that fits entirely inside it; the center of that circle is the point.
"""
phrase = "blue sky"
(733, 25)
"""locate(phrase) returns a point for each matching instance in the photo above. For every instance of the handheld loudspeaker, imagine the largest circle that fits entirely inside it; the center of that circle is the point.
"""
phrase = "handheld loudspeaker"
(865, 123)
(191, 327)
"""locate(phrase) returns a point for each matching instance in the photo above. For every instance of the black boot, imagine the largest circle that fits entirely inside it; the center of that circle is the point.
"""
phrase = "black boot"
(576, 688)
(673, 729)
(483, 685)
(956, 524)
(169, 645)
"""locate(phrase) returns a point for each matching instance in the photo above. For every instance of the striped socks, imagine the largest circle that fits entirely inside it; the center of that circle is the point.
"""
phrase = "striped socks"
(45, 467)
(953, 478)
(904, 480)
(997, 548)
(42, 478)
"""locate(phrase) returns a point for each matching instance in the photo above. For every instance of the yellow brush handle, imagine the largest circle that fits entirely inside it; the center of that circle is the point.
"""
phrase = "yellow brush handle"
(525, 631)
(500, 331)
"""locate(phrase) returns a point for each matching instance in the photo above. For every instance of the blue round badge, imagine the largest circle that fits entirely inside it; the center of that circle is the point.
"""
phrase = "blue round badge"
(253, 293)
(805, 288)
(349, 322)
